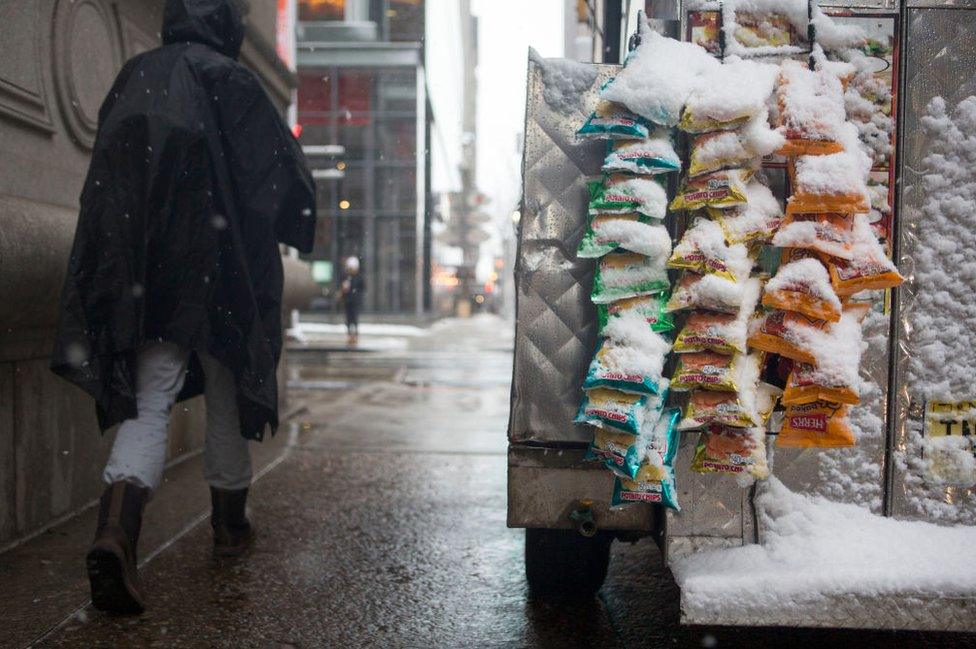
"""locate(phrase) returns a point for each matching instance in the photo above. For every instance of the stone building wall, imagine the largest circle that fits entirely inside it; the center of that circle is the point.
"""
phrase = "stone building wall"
(58, 58)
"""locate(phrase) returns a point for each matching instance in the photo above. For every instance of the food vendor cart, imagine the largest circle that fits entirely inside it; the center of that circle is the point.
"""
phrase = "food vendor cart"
(925, 49)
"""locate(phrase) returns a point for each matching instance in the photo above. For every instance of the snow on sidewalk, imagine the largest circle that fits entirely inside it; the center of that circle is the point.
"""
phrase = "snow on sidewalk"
(814, 549)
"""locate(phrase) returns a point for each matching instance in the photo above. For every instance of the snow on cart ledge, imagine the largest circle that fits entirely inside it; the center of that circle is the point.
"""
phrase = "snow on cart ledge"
(827, 564)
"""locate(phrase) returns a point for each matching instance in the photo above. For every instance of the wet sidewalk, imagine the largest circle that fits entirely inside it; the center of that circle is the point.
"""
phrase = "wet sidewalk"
(381, 523)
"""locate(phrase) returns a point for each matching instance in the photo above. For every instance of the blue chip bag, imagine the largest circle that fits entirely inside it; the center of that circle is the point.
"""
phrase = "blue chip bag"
(623, 453)
(620, 411)
(610, 121)
(653, 480)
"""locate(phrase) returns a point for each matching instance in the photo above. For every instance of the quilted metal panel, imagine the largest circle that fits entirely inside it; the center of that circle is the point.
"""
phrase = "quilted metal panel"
(555, 321)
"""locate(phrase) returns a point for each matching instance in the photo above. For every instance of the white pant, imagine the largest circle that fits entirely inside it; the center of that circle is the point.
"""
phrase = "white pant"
(139, 453)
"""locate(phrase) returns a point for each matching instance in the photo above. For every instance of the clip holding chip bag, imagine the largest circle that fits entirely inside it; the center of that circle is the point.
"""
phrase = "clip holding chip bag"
(819, 424)
(622, 275)
(648, 307)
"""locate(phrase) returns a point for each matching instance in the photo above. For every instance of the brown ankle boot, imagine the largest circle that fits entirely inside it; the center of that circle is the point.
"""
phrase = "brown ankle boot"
(112, 559)
(231, 530)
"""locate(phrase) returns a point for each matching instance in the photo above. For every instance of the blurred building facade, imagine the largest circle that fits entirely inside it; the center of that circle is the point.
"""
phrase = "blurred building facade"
(58, 59)
(364, 123)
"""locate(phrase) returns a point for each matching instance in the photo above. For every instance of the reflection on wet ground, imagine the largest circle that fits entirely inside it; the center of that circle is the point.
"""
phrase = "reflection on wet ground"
(384, 526)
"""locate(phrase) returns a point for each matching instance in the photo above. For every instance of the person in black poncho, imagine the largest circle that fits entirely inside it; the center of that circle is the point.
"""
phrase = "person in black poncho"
(174, 283)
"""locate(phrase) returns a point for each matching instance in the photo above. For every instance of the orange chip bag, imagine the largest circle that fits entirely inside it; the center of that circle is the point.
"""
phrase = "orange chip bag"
(870, 269)
(788, 334)
(829, 183)
(819, 424)
(830, 234)
(806, 385)
(705, 370)
(803, 286)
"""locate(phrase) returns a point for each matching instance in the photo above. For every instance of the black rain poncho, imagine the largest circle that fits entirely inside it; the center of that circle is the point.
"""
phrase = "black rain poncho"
(194, 179)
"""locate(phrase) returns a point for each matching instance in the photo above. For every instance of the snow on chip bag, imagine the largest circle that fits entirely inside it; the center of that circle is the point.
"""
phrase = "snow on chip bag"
(654, 155)
(623, 453)
(630, 358)
(633, 232)
(806, 385)
(611, 121)
(819, 424)
(834, 374)
(832, 183)
(648, 307)
(654, 480)
(830, 234)
(623, 275)
(870, 269)
(728, 96)
(619, 194)
(719, 189)
(720, 332)
(788, 334)
(658, 77)
(803, 286)
(748, 407)
(811, 110)
(731, 149)
(756, 221)
(606, 408)
(711, 293)
(703, 250)
(736, 451)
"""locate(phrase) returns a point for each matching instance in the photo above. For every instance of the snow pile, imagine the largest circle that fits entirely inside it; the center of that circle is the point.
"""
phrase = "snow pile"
(632, 347)
(736, 37)
(816, 235)
(758, 219)
(703, 249)
(806, 276)
(564, 80)
(843, 173)
(719, 149)
(811, 102)
(738, 89)
(659, 76)
(813, 548)
(643, 238)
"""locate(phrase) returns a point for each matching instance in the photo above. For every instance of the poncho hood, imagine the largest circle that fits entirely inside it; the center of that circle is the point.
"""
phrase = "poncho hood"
(216, 23)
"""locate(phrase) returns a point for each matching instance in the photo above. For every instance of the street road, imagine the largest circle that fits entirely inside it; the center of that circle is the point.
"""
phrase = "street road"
(384, 526)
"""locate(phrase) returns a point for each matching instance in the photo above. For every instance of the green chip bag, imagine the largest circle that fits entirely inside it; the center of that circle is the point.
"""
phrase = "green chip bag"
(622, 275)
(649, 307)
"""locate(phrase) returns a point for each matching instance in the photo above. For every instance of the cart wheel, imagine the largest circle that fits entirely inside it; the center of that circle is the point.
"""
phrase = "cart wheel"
(565, 563)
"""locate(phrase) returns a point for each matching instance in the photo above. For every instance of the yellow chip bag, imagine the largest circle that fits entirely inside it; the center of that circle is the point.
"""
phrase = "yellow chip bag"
(709, 331)
(719, 189)
(705, 371)
(819, 424)
(732, 450)
(703, 250)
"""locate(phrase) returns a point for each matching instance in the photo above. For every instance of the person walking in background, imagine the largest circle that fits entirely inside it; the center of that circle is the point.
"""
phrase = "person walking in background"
(174, 283)
(352, 298)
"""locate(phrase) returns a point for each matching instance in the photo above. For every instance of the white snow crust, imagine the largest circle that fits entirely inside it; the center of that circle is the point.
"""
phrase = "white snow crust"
(643, 238)
(737, 89)
(813, 548)
(564, 80)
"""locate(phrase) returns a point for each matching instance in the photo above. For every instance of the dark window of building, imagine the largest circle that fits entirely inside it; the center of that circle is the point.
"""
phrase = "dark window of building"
(321, 9)
(405, 19)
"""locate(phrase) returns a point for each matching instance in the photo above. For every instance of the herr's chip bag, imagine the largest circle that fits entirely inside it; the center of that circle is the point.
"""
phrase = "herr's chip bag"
(620, 194)
(819, 424)
(730, 149)
(788, 334)
(736, 451)
(606, 408)
(806, 384)
(756, 221)
(870, 269)
(633, 232)
(803, 286)
(703, 250)
(648, 307)
(622, 275)
(624, 453)
(719, 189)
(611, 121)
(830, 234)
(654, 155)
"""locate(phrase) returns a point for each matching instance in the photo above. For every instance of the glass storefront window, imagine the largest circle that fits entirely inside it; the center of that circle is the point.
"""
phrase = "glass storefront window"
(396, 139)
(321, 9)
(396, 189)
